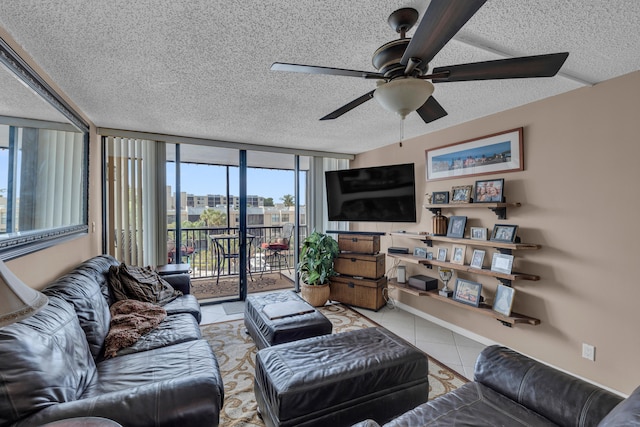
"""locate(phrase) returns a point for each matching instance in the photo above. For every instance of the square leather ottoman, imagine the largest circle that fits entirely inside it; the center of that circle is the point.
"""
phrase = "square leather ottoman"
(293, 324)
(340, 379)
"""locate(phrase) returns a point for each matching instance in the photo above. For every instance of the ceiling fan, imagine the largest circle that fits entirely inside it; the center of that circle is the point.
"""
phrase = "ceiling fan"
(402, 64)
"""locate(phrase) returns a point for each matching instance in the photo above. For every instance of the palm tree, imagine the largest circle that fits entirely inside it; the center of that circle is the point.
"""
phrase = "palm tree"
(288, 200)
(213, 217)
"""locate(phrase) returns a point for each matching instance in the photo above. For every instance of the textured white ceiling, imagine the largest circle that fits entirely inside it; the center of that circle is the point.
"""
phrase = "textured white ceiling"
(200, 68)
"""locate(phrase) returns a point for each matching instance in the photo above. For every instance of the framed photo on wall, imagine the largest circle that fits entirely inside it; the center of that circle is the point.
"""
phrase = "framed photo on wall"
(478, 233)
(440, 198)
(489, 191)
(496, 153)
(456, 226)
(461, 194)
(502, 263)
(477, 258)
(504, 233)
(467, 292)
(503, 301)
(457, 254)
(420, 252)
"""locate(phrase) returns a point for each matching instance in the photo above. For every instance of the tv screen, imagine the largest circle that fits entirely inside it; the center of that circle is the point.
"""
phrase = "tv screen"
(374, 194)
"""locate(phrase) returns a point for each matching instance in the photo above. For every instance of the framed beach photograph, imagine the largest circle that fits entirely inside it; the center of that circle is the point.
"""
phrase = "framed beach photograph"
(489, 191)
(478, 233)
(502, 263)
(496, 153)
(420, 252)
(477, 258)
(461, 194)
(456, 226)
(429, 255)
(467, 292)
(504, 233)
(457, 254)
(442, 254)
(503, 301)
(440, 198)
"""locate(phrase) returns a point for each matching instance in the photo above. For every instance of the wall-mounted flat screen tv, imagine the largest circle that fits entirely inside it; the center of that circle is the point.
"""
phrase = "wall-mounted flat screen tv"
(374, 194)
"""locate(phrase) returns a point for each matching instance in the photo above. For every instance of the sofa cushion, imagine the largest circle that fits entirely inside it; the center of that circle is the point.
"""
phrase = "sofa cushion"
(82, 288)
(185, 304)
(45, 361)
(558, 396)
(470, 405)
(627, 413)
(173, 329)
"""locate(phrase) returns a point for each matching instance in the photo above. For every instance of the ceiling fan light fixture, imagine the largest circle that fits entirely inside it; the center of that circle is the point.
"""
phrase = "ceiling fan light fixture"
(403, 95)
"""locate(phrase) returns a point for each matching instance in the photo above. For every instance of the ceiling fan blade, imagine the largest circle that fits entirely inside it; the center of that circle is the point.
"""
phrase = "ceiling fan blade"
(348, 107)
(431, 110)
(511, 68)
(312, 69)
(441, 21)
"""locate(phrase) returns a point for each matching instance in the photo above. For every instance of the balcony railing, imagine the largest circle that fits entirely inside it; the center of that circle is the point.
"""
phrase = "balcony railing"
(197, 249)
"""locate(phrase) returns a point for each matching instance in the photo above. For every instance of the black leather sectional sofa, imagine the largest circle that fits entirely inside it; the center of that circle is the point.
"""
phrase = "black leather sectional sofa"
(511, 390)
(53, 366)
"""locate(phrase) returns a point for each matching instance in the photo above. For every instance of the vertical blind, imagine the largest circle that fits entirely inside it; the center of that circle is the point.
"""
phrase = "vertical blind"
(131, 197)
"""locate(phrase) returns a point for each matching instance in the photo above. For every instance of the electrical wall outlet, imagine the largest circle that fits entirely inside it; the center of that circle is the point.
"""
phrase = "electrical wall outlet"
(589, 352)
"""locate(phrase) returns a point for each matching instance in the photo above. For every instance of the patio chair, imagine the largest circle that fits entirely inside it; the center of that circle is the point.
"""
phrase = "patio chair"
(275, 247)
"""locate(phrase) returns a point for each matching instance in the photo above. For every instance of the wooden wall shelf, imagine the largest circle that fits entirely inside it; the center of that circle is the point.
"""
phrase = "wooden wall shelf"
(483, 272)
(500, 209)
(484, 309)
(428, 238)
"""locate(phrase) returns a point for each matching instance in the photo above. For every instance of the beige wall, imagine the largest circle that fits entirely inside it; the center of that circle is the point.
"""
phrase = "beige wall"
(580, 202)
(43, 266)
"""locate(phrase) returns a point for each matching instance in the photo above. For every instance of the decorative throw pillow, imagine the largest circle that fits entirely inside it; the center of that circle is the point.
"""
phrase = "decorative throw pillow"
(140, 283)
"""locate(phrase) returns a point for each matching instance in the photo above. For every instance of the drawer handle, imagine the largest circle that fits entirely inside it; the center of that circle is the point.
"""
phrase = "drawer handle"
(354, 239)
(351, 285)
(353, 260)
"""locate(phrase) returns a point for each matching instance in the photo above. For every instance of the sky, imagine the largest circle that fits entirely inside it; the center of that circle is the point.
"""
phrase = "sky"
(201, 180)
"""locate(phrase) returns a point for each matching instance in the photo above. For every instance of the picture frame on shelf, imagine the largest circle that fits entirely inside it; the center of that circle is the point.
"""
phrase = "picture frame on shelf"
(440, 198)
(503, 301)
(478, 233)
(420, 252)
(490, 154)
(489, 191)
(504, 233)
(442, 254)
(477, 258)
(456, 227)
(467, 292)
(461, 194)
(429, 255)
(457, 254)
(502, 263)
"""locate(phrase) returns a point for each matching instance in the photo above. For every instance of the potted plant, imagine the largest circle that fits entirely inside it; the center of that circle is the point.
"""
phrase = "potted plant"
(316, 267)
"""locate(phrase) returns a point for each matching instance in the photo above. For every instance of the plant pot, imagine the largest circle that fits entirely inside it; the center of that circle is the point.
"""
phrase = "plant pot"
(317, 296)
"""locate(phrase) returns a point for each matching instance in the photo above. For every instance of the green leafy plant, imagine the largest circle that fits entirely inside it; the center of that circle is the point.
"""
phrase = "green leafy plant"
(316, 259)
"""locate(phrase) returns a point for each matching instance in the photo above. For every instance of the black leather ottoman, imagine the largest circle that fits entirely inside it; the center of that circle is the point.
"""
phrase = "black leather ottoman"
(267, 332)
(340, 379)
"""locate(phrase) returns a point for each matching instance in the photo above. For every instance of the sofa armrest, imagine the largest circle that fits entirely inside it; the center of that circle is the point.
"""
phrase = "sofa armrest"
(180, 282)
(559, 397)
(189, 401)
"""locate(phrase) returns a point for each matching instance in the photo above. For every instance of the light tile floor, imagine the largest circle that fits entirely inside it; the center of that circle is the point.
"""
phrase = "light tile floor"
(452, 349)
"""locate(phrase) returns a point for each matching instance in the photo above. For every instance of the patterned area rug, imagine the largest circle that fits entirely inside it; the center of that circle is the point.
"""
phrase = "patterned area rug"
(236, 355)
(228, 286)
